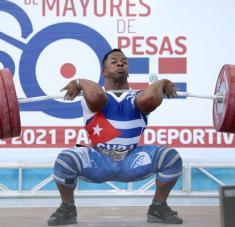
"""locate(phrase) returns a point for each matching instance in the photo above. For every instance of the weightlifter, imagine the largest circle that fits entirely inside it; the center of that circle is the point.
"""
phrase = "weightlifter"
(114, 123)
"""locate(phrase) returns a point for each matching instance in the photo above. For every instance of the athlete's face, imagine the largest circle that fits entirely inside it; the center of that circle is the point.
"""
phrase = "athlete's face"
(116, 67)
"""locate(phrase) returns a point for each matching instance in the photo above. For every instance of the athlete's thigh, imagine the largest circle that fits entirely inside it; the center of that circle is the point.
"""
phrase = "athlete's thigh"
(95, 166)
(139, 164)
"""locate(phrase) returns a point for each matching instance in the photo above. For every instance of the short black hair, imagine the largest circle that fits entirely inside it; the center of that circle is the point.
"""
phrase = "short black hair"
(110, 52)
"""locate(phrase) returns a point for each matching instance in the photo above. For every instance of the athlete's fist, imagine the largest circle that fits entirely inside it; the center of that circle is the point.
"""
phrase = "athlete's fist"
(169, 89)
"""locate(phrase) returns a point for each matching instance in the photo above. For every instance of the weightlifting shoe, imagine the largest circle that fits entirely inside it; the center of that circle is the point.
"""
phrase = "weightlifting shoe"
(163, 214)
(64, 215)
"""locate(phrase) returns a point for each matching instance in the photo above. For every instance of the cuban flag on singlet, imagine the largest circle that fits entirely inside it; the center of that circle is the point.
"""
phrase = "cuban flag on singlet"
(118, 126)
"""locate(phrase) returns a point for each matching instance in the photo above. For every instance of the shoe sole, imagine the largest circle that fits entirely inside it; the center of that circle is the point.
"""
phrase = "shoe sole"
(154, 219)
(71, 221)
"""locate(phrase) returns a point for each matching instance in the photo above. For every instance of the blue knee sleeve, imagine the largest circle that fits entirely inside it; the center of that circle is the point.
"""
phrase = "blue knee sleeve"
(66, 169)
(168, 165)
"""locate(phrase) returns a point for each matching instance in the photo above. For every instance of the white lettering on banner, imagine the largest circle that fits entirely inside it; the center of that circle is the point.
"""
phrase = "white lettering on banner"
(80, 135)
(210, 133)
(15, 141)
(203, 137)
(33, 137)
(68, 135)
(175, 136)
(2, 142)
(161, 136)
(186, 136)
(228, 138)
(199, 134)
(149, 136)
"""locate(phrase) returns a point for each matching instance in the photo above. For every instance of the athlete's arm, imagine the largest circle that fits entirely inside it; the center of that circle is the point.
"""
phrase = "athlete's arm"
(149, 99)
(92, 92)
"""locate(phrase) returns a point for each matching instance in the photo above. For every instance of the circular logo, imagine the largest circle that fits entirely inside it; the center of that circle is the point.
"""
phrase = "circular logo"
(67, 68)
(7, 61)
(153, 78)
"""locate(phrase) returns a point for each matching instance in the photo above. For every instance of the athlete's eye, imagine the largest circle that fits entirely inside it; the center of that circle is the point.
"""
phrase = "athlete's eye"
(124, 61)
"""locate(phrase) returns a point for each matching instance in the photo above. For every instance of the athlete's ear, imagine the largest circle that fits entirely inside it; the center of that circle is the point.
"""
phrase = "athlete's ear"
(104, 71)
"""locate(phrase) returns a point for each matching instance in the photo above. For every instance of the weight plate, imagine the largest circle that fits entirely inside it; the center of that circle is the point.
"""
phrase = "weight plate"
(5, 121)
(224, 111)
(12, 102)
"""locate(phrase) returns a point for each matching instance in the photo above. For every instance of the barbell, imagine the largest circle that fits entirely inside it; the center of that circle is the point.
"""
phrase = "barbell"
(223, 102)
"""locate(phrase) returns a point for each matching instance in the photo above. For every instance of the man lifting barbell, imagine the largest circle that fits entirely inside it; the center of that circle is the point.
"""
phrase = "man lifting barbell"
(115, 121)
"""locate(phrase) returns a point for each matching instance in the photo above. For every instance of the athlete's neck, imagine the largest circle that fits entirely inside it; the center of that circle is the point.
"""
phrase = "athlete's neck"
(116, 86)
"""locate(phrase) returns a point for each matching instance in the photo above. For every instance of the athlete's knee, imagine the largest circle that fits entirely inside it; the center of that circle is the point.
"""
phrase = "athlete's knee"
(169, 165)
(66, 168)
(168, 158)
(174, 160)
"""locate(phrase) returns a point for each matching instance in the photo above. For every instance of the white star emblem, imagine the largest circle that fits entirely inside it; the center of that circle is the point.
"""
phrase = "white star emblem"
(97, 130)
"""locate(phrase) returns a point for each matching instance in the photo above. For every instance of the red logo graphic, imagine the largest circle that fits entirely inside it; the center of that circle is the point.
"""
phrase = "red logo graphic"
(100, 130)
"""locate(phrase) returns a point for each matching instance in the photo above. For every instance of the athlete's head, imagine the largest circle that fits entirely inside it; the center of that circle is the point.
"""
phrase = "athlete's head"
(115, 66)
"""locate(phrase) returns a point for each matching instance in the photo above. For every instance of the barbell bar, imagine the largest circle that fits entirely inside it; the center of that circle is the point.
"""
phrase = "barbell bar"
(223, 102)
(179, 93)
